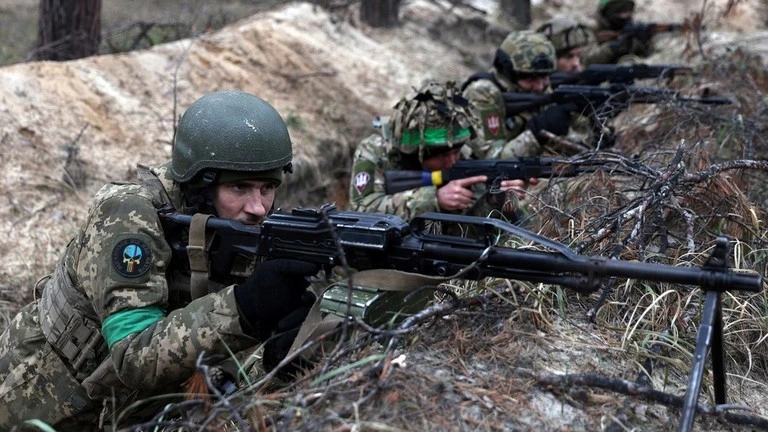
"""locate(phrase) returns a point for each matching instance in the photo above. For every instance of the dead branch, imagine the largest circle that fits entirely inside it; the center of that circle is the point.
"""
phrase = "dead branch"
(710, 172)
(649, 394)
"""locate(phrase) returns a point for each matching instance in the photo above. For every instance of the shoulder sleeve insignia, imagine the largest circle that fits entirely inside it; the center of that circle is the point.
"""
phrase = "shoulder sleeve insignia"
(362, 181)
(131, 257)
(493, 126)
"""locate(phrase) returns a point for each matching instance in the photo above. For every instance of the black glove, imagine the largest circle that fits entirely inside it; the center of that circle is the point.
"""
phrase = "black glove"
(273, 291)
(620, 46)
(643, 33)
(555, 119)
(277, 348)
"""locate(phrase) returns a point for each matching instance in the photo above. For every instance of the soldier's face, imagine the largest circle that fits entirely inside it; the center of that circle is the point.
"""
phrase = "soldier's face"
(247, 201)
(570, 61)
(441, 161)
(534, 84)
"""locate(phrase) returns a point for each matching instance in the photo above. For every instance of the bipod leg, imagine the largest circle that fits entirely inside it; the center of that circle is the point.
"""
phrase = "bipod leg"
(718, 355)
(710, 335)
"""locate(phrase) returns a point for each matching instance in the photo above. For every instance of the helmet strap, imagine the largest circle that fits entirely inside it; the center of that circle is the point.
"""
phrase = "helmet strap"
(209, 177)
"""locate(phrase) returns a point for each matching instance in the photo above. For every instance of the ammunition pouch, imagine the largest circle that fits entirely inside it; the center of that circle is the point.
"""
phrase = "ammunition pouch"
(70, 324)
(374, 306)
(378, 297)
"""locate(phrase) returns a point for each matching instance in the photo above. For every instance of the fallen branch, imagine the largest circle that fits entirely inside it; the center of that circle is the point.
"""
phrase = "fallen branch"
(656, 396)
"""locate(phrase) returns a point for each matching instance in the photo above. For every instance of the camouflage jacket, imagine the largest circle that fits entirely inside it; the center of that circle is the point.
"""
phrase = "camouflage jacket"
(602, 53)
(511, 139)
(120, 261)
(375, 155)
(501, 137)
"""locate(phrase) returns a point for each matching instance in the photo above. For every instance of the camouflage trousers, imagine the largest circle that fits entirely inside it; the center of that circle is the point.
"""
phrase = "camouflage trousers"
(36, 384)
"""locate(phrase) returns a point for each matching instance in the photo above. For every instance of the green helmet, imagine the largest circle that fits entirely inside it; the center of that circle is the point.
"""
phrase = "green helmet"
(525, 53)
(565, 34)
(436, 119)
(230, 133)
(611, 7)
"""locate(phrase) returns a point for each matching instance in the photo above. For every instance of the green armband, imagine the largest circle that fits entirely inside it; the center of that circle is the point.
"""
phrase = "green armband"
(121, 324)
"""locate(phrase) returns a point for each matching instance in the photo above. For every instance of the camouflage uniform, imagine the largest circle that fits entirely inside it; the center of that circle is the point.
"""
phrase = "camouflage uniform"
(633, 51)
(102, 280)
(501, 137)
(567, 34)
(72, 358)
(504, 137)
(373, 156)
(379, 153)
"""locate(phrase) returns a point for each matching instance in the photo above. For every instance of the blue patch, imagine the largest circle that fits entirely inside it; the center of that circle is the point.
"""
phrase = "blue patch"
(131, 257)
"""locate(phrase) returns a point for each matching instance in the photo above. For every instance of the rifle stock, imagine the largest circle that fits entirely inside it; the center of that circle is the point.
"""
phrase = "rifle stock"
(495, 169)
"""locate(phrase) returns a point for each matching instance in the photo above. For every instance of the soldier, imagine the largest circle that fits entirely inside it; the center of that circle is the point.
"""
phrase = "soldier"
(116, 322)
(426, 132)
(522, 64)
(569, 39)
(619, 47)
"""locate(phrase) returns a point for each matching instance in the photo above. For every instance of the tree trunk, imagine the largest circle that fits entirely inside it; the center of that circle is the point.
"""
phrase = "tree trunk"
(68, 29)
(519, 11)
(379, 13)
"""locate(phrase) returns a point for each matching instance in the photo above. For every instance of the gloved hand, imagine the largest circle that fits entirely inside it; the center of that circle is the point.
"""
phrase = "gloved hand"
(273, 291)
(622, 45)
(555, 119)
(643, 32)
(277, 348)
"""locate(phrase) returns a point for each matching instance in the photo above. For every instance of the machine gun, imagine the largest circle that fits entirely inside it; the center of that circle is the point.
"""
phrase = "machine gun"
(596, 74)
(495, 169)
(641, 29)
(381, 241)
(601, 99)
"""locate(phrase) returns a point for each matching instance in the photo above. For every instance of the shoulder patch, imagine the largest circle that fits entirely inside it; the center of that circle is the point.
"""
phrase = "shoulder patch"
(131, 257)
(493, 123)
(362, 182)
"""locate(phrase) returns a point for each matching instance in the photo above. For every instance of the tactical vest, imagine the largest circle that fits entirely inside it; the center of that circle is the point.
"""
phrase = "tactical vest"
(67, 318)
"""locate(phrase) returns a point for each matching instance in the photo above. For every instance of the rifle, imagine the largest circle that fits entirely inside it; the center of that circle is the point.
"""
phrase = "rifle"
(495, 169)
(634, 30)
(380, 241)
(600, 98)
(597, 74)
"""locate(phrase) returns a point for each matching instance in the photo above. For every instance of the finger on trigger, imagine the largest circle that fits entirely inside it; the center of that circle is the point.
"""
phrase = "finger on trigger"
(469, 181)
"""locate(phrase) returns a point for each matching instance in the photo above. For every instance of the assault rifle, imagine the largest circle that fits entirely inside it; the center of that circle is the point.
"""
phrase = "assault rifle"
(601, 99)
(495, 169)
(635, 30)
(381, 241)
(596, 74)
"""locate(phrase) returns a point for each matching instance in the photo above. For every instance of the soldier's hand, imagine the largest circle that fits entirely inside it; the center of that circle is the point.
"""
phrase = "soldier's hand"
(517, 187)
(555, 119)
(278, 347)
(644, 33)
(455, 195)
(621, 45)
(274, 291)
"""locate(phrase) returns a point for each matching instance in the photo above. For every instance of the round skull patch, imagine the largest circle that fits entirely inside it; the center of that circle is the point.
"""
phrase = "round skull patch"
(131, 257)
